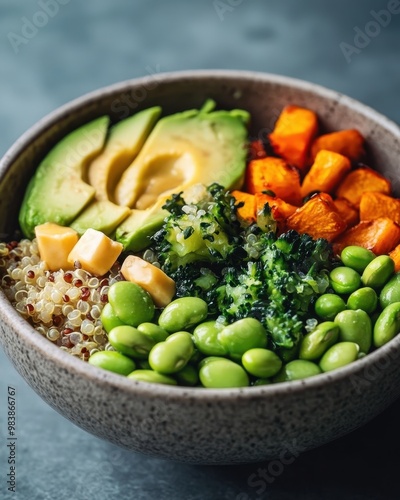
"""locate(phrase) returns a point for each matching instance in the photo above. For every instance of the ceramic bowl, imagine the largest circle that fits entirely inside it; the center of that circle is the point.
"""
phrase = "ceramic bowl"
(190, 424)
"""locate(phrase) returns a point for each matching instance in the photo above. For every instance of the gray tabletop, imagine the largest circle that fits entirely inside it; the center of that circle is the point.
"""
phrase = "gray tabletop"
(52, 51)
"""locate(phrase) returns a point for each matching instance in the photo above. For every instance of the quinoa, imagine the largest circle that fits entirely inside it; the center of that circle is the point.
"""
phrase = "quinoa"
(63, 306)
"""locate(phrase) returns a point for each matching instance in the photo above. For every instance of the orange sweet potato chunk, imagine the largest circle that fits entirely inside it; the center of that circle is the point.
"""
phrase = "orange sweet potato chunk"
(293, 133)
(318, 218)
(379, 235)
(347, 211)
(246, 212)
(280, 210)
(360, 181)
(274, 174)
(326, 172)
(374, 205)
(348, 143)
(395, 255)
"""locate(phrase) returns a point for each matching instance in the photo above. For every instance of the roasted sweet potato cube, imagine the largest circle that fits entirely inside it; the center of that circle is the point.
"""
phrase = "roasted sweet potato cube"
(293, 133)
(318, 218)
(274, 174)
(360, 181)
(280, 210)
(379, 235)
(348, 143)
(347, 211)
(246, 212)
(326, 172)
(395, 255)
(374, 205)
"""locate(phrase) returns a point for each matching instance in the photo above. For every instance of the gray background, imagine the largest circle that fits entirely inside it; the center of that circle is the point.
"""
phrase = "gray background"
(86, 45)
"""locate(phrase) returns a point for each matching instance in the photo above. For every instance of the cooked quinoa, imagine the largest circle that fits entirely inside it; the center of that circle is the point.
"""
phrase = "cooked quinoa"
(63, 306)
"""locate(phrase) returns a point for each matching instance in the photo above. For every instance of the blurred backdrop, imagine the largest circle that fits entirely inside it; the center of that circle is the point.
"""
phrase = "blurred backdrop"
(52, 51)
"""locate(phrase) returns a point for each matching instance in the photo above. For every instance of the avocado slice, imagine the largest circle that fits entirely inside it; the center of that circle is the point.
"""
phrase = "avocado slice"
(124, 142)
(192, 147)
(56, 192)
(102, 215)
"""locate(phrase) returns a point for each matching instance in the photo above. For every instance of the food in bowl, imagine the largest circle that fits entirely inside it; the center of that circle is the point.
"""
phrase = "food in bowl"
(219, 285)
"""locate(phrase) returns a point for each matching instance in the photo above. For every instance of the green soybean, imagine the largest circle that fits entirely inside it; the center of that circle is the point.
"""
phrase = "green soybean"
(183, 313)
(387, 325)
(153, 331)
(344, 279)
(205, 337)
(131, 303)
(315, 343)
(112, 361)
(328, 305)
(390, 292)
(152, 377)
(187, 376)
(364, 298)
(355, 326)
(220, 373)
(109, 319)
(262, 381)
(242, 335)
(297, 370)
(340, 354)
(356, 257)
(378, 272)
(261, 363)
(130, 341)
(173, 354)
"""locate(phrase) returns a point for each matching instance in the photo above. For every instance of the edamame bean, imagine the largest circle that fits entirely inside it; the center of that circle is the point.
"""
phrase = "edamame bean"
(297, 370)
(153, 331)
(344, 279)
(242, 335)
(328, 305)
(152, 377)
(109, 319)
(378, 271)
(262, 381)
(364, 298)
(206, 340)
(387, 325)
(183, 313)
(315, 343)
(187, 376)
(261, 363)
(356, 257)
(355, 326)
(339, 355)
(130, 341)
(173, 354)
(112, 361)
(220, 373)
(131, 303)
(390, 292)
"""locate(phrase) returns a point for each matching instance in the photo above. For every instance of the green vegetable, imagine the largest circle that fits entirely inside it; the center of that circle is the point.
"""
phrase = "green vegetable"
(242, 335)
(363, 298)
(297, 370)
(387, 325)
(183, 313)
(315, 343)
(152, 377)
(355, 326)
(378, 271)
(153, 331)
(112, 361)
(173, 354)
(344, 279)
(109, 319)
(130, 341)
(261, 363)
(205, 337)
(131, 304)
(219, 373)
(356, 257)
(328, 305)
(390, 292)
(339, 355)
(187, 376)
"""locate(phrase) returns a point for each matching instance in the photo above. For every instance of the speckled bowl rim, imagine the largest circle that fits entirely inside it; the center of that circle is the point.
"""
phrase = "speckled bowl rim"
(35, 341)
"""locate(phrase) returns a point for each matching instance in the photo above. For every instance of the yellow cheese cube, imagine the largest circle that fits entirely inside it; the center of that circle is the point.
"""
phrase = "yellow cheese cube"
(160, 286)
(96, 252)
(55, 244)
